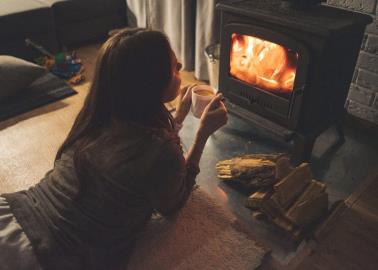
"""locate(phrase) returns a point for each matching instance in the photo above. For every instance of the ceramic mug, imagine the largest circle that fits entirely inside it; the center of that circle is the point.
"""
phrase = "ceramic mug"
(201, 96)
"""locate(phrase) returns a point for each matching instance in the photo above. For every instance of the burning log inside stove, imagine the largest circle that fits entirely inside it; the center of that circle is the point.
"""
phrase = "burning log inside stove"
(263, 64)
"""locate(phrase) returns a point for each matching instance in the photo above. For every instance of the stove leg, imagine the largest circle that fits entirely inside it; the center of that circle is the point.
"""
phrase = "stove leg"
(340, 126)
(340, 132)
(302, 149)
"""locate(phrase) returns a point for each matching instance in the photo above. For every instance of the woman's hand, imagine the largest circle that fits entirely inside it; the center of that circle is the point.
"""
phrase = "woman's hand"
(183, 103)
(213, 117)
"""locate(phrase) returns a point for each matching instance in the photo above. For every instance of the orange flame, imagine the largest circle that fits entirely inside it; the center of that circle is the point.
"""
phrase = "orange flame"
(262, 63)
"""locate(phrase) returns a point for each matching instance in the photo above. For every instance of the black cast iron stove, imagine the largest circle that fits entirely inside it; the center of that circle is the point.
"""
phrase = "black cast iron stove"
(287, 66)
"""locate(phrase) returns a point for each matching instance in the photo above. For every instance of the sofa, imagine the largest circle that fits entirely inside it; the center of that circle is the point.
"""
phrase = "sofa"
(56, 24)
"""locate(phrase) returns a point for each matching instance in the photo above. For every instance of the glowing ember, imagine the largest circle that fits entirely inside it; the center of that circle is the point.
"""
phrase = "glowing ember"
(264, 64)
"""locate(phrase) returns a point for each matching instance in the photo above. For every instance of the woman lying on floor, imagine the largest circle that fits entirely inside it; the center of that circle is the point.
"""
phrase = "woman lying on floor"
(121, 161)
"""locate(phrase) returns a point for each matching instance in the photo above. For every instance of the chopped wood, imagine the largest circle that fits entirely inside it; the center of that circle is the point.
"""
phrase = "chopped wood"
(271, 208)
(285, 196)
(253, 171)
(296, 235)
(259, 216)
(254, 184)
(262, 180)
(309, 210)
(284, 223)
(310, 206)
(283, 167)
(272, 157)
(243, 168)
(276, 214)
(290, 187)
(257, 198)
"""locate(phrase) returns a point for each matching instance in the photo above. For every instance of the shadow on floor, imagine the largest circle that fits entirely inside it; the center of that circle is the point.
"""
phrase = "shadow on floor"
(56, 105)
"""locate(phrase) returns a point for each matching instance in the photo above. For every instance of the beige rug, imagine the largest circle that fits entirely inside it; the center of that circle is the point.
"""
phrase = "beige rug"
(203, 236)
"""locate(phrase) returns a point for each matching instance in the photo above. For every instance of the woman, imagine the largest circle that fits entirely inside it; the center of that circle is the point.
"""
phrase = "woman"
(121, 161)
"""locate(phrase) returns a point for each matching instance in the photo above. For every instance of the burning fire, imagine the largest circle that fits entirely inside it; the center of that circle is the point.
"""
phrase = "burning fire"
(263, 63)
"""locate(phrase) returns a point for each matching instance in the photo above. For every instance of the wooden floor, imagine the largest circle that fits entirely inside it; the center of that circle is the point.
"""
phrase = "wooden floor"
(28, 142)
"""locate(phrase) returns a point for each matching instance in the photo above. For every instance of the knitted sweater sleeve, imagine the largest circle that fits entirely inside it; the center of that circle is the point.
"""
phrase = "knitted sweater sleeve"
(172, 180)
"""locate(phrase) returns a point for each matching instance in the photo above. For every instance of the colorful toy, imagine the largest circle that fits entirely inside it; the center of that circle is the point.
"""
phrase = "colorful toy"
(64, 65)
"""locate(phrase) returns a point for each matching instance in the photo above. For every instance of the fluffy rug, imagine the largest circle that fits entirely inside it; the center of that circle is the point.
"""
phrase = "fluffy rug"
(203, 236)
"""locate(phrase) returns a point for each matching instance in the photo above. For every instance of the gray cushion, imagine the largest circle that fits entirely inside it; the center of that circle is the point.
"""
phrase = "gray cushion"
(46, 89)
(16, 74)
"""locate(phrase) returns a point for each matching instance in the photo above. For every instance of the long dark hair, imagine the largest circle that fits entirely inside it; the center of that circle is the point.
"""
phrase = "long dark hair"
(133, 70)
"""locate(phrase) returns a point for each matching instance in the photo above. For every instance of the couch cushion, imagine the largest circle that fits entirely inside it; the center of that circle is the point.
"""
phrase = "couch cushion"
(68, 11)
(20, 18)
(16, 74)
(17, 47)
(90, 29)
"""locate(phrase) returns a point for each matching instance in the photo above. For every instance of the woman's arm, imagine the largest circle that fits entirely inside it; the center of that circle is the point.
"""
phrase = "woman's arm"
(213, 117)
(173, 175)
(171, 180)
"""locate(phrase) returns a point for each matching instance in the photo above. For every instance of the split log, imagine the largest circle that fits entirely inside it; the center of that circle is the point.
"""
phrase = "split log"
(310, 206)
(276, 215)
(283, 167)
(243, 168)
(272, 157)
(257, 198)
(271, 208)
(284, 223)
(260, 216)
(290, 187)
(252, 171)
(296, 235)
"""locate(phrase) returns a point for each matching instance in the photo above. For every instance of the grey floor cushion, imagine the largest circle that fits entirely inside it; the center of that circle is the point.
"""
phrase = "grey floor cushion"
(44, 90)
(16, 74)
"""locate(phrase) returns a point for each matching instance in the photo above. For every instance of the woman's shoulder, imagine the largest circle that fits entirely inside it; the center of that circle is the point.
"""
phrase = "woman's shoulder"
(144, 145)
(164, 142)
(158, 136)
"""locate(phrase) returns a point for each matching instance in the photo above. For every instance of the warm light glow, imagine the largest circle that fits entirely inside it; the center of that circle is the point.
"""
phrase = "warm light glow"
(264, 64)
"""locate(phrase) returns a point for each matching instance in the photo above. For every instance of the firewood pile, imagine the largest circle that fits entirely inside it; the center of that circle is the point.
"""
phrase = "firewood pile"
(288, 197)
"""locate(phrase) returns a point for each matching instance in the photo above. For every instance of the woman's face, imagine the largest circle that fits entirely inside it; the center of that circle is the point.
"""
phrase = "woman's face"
(174, 86)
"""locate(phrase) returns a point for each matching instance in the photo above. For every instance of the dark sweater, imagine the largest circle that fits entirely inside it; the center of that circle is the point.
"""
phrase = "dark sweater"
(136, 171)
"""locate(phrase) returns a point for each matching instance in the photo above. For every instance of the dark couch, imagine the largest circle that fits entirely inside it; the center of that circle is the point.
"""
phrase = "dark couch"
(56, 23)
(81, 20)
(20, 19)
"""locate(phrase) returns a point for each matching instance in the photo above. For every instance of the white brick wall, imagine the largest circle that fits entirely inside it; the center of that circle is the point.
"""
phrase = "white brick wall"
(363, 93)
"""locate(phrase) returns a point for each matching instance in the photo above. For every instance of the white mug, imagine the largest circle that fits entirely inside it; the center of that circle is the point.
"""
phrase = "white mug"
(201, 96)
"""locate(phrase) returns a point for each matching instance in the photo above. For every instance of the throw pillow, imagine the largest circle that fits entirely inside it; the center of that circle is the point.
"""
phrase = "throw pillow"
(16, 74)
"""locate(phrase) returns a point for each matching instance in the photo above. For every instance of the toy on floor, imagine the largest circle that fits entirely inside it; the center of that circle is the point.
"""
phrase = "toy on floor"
(64, 65)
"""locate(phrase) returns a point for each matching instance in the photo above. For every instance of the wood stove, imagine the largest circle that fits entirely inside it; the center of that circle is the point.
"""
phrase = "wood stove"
(286, 69)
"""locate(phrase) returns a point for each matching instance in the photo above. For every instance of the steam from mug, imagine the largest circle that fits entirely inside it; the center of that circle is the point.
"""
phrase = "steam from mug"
(201, 96)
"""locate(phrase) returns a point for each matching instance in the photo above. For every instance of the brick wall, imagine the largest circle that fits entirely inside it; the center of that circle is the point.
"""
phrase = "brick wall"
(363, 94)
